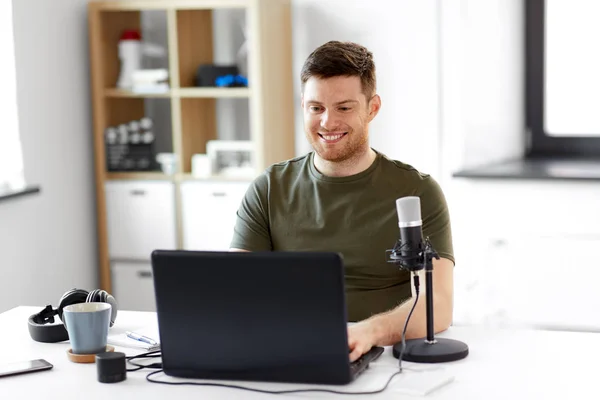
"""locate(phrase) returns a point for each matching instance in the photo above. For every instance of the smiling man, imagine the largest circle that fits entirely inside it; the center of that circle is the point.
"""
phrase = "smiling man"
(341, 197)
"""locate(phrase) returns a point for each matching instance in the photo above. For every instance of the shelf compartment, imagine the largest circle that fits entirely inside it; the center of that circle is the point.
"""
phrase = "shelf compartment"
(151, 24)
(122, 110)
(112, 25)
(194, 43)
(132, 155)
(198, 125)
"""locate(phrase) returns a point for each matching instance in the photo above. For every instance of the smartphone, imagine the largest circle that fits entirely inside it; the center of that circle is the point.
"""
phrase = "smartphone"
(24, 367)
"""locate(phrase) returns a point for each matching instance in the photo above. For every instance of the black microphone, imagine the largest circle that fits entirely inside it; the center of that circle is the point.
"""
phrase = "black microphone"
(411, 244)
(413, 253)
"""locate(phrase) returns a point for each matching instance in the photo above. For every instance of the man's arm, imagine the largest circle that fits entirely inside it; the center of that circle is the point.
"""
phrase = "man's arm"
(251, 231)
(386, 328)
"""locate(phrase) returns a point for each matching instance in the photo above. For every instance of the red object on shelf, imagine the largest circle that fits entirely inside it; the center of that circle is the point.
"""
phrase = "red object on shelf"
(131, 34)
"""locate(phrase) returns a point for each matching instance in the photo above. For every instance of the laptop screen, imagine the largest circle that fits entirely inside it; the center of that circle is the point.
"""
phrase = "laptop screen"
(274, 316)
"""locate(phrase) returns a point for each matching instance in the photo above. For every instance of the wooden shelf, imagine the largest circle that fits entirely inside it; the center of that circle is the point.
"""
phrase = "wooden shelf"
(113, 92)
(213, 92)
(170, 4)
(180, 177)
(187, 115)
(194, 92)
(213, 178)
(112, 176)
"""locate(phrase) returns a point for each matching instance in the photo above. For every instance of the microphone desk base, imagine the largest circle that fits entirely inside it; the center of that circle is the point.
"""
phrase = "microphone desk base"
(442, 350)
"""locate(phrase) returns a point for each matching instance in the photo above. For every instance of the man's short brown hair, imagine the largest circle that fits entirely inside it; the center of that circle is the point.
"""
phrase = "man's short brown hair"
(341, 59)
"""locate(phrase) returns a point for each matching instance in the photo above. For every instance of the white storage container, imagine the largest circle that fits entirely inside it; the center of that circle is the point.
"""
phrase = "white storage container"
(209, 213)
(133, 286)
(140, 218)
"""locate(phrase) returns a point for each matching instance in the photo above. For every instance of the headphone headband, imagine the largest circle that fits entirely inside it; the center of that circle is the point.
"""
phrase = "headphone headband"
(38, 324)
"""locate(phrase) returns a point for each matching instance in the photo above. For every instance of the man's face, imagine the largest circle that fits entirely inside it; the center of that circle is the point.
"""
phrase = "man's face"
(336, 117)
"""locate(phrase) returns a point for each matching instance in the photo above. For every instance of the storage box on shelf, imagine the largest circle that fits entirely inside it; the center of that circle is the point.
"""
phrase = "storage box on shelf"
(209, 212)
(132, 285)
(141, 218)
(178, 211)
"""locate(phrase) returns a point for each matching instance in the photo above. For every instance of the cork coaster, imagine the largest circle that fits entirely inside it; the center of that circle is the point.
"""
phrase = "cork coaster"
(85, 358)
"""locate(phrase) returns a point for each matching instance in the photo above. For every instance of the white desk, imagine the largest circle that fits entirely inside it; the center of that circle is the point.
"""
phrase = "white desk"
(503, 364)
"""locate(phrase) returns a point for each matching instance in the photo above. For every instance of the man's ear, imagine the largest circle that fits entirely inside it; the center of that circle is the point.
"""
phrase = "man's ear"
(302, 100)
(374, 106)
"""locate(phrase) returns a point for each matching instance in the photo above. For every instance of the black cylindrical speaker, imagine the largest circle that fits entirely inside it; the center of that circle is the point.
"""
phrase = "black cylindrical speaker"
(111, 367)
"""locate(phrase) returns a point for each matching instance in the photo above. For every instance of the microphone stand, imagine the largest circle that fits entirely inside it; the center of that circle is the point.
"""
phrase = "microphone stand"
(430, 349)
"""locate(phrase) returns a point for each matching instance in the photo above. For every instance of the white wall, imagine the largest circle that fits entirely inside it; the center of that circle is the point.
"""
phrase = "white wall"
(403, 39)
(47, 241)
(11, 156)
(482, 75)
(482, 120)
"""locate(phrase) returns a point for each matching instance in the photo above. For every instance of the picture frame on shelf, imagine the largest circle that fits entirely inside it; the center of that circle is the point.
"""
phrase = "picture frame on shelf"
(231, 158)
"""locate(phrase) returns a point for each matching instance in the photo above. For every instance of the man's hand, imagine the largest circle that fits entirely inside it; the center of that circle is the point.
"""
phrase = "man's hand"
(385, 329)
(361, 338)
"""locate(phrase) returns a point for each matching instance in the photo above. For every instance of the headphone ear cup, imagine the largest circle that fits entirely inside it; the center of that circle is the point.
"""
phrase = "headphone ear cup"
(102, 296)
(73, 296)
(114, 306)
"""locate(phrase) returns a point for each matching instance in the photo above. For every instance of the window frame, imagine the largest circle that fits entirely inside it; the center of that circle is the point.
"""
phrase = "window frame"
(540, 144)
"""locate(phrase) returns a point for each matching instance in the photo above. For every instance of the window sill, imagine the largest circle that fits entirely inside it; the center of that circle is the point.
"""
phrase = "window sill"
(537, 169)
(14, 193)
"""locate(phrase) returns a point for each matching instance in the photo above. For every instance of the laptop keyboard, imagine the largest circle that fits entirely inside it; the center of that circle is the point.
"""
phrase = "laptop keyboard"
(362, 363)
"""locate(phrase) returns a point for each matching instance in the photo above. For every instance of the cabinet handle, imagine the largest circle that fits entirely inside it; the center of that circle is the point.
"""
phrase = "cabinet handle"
(498, 242)
(219, 194)
(144, 274)
(138, 192)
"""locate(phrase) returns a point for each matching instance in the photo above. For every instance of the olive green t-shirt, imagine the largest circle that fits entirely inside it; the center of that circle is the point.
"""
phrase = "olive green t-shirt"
(293, 207)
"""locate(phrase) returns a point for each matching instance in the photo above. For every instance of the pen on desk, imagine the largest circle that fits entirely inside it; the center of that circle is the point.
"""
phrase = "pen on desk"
(141, 338)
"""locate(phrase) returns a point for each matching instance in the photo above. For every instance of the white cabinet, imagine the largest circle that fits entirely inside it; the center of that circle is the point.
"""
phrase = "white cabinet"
(209, 213)
(133, 286)
(548, 282)
(140, 218)
(525, 253)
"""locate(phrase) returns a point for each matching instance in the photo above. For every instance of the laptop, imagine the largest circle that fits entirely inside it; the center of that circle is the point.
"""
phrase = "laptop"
(259, 316)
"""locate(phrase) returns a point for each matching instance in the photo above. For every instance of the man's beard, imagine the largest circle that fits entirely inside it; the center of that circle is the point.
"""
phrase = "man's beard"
(352, 147)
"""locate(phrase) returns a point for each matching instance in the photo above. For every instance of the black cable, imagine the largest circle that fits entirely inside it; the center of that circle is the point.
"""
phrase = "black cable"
(151, 354)
(268, 391)
(159, 365)
(417, 284)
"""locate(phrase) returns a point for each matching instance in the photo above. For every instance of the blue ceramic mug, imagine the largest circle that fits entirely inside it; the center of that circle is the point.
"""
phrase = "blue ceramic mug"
(87, 325)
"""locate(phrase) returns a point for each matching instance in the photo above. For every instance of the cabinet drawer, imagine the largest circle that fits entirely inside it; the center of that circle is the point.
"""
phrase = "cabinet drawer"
(209, 213)
(133, 286)
(140, 218)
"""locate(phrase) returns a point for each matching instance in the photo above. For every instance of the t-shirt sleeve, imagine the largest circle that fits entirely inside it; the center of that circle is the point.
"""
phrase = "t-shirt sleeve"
(251, 231)
(436, 219)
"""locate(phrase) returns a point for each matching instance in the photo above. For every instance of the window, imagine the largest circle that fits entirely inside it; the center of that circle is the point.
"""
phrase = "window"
(11, 160)
(563, 82)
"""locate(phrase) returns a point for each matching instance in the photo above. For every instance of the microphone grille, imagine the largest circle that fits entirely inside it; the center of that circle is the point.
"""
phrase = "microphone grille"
(409, 209)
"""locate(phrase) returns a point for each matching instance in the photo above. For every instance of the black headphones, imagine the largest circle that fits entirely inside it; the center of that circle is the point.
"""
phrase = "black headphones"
(58, 333)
